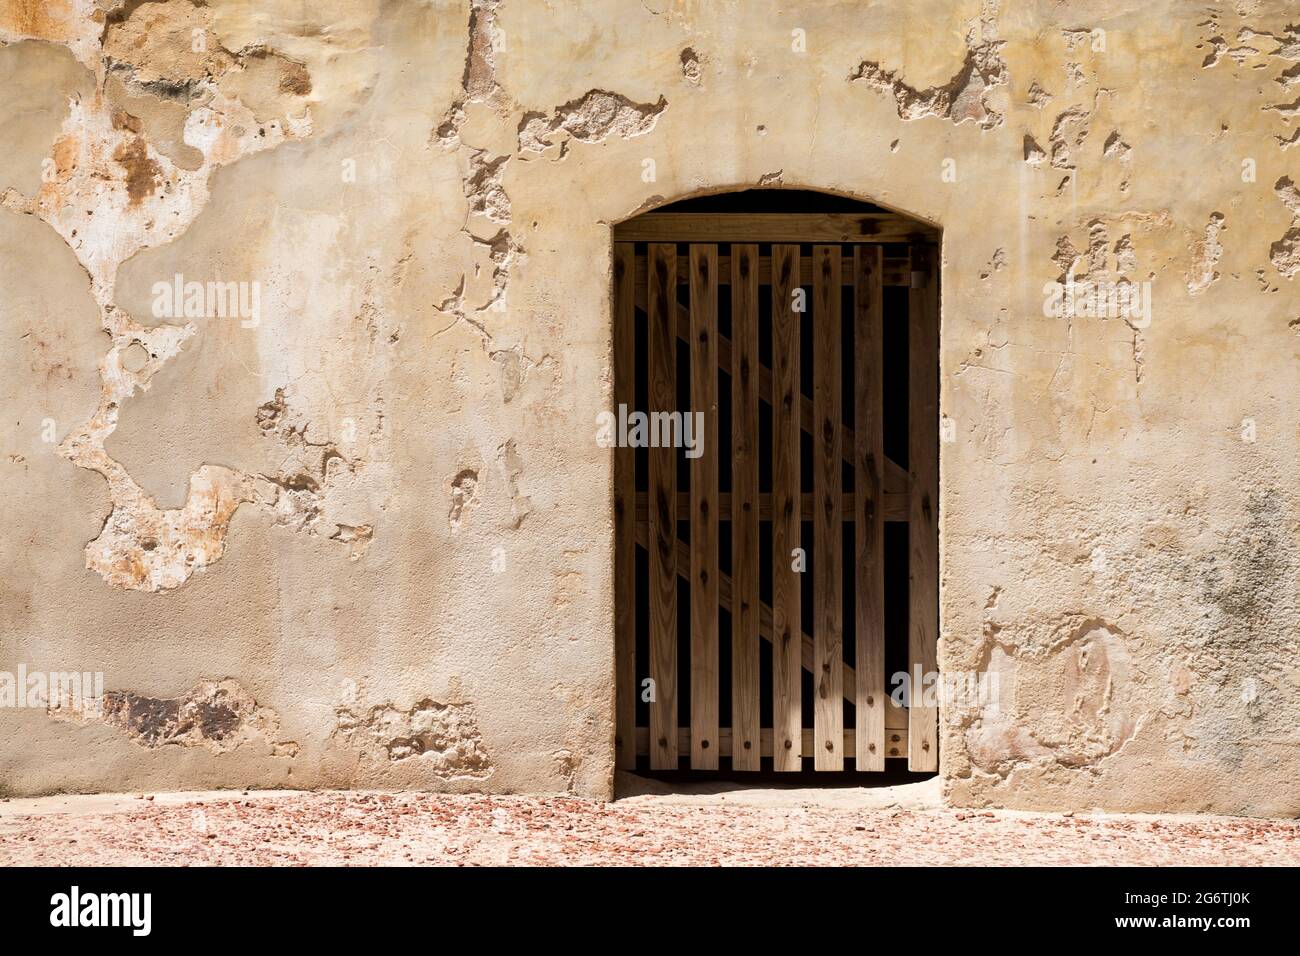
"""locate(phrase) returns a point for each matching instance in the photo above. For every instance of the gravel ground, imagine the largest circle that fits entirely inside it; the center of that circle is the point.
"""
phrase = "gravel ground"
(739, 828)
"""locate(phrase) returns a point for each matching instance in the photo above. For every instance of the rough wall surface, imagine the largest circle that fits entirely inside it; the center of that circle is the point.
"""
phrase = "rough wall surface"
(348, 525)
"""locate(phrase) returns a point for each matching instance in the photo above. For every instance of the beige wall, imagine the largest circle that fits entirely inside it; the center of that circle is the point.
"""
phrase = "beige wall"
(366, 542)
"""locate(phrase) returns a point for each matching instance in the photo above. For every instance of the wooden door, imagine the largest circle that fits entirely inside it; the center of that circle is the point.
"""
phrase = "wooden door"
(765, 366)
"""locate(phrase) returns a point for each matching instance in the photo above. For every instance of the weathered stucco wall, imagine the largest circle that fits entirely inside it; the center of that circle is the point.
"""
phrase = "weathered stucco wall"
(360, 535)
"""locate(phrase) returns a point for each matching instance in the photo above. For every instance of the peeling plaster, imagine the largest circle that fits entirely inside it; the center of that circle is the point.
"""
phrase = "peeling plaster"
(964, 97)
(512, 467)
(112, 195)
(1262, 49)
(218, 716)
(690, 65)
(1206, 256)
(1285, 253)
(443, 737)
(592, 118)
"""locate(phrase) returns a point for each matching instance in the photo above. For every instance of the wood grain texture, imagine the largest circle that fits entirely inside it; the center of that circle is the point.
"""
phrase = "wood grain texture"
(704, 508)
(744, 508)
(827, 565)
(663, 513)
(786, 531)
(898, 271)
(869, 513)
(897, 506)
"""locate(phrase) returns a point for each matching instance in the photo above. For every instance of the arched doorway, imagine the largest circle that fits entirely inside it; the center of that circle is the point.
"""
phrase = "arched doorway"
(776, 484)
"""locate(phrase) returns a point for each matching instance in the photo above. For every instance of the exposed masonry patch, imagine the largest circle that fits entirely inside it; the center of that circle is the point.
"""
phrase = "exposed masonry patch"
(1285, 253)
(512, 466)
(464, 497)
(112, 194)
(478, 82)
(1065, 257)
(295, 493)
(1205, 256)
(964, 97)
(1038, 97)
(216, 715)
(154, 48)
(1219, 49)
(1098, 247)
(1261, 45)
(485, 194)
(483, 189)
(1104, 260)
(771, 179)
(1286, 45)
(358, 536)
(1094, 262)
(1033, 153)
(592, 118)
(145, 548)
(1068, 133)
(1076, 38)
(1125, 255)
(997, 263)
(516, 367)
(1287, 110)
(503, 252)
(690, 65)
(1116, 148)
(444, 738)
(567, 762)
(1261, 277)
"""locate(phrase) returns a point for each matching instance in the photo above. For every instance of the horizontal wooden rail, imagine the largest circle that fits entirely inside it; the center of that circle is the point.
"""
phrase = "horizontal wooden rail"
(896, 506)
(895, 740)
(773, 227)
(896, 272)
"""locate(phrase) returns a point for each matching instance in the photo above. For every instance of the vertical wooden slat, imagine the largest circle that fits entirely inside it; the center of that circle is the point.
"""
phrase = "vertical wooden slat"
(624, 346)
(787, 630)
(662, 302)
(745, 753)
(828, 620)
(923, 529)
(704, 507)
(869, 516)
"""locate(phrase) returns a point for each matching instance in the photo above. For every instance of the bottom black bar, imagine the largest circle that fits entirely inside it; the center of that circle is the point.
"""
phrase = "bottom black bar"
(215, 906)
